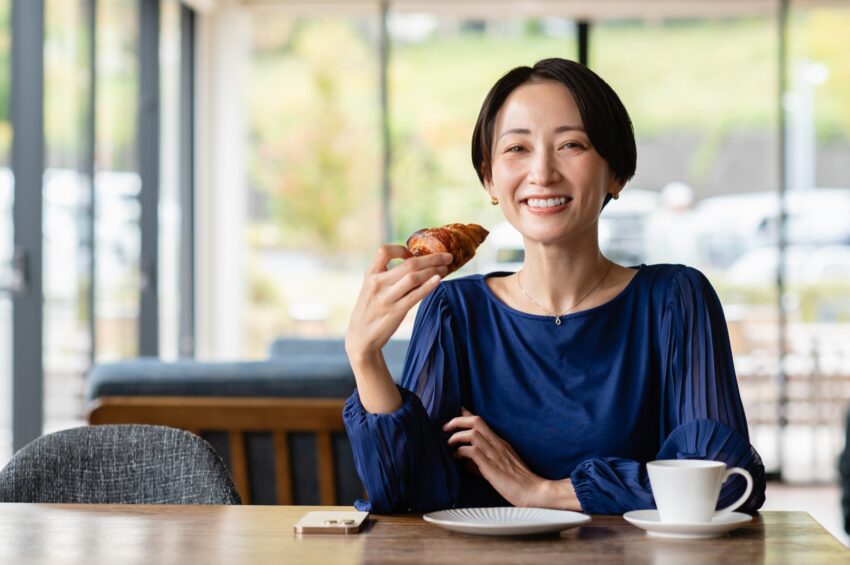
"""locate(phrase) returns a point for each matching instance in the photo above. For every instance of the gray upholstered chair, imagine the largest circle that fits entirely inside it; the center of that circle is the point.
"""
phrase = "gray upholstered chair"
(130, 464)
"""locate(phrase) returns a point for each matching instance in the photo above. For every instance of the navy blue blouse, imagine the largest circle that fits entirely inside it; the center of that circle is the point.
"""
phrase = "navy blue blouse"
(647, 375)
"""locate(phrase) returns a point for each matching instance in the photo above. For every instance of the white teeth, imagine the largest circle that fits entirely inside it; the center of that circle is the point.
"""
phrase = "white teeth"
(546, 203)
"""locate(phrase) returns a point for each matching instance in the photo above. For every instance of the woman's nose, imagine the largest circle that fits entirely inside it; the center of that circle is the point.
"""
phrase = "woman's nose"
(543, 170)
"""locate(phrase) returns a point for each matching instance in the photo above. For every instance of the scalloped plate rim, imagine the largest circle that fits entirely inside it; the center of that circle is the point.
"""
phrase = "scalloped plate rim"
(471, 526)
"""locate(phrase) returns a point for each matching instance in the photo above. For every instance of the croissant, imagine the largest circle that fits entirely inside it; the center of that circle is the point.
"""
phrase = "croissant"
(461, 240)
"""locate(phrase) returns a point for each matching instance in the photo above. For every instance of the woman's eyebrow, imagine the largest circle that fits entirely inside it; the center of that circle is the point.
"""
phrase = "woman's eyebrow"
(562, 129)
(559, 129)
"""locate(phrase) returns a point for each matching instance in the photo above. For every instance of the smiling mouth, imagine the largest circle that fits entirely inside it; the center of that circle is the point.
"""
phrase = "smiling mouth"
(544, 203)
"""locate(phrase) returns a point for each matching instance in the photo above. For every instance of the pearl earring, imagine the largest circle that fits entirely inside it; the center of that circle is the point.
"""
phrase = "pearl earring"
(494, 201)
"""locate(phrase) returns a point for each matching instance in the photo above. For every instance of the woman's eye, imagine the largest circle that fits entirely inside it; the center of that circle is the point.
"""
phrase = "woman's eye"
(514, 149)
(572, 145)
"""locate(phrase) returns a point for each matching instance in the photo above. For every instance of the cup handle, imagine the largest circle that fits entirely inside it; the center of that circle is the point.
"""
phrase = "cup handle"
(746, 474)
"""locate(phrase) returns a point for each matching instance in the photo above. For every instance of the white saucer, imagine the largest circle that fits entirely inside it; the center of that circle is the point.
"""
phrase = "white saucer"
(720, 524)
(506, 521)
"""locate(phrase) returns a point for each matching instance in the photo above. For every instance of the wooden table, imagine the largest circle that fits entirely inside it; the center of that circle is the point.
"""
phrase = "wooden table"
(71, 533)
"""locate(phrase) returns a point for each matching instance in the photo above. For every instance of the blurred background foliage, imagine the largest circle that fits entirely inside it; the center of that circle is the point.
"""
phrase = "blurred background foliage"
(315, 108)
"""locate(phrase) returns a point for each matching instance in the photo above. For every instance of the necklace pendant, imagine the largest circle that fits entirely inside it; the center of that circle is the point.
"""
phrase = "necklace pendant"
(557, 320)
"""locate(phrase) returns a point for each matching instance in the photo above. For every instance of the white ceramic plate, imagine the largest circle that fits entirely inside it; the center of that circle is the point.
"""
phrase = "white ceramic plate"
(720, 524)
(506, 521)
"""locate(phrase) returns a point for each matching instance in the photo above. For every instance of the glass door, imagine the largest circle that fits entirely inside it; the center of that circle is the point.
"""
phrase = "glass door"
(71, 191)
(66, 205)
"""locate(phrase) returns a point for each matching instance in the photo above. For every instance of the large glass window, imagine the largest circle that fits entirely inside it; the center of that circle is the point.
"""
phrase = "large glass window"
(66, 193)
(817, 262)
(168, 276)
(702, 96)
(117, 182)
(314, 174)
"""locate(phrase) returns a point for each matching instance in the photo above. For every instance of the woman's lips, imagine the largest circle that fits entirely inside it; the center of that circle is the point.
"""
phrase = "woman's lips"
(546, 211)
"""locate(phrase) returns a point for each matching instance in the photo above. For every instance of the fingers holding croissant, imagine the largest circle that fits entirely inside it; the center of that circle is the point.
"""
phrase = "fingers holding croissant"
(461, 240)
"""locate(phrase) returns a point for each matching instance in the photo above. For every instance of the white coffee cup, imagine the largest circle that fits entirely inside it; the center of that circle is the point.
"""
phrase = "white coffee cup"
(686, 490)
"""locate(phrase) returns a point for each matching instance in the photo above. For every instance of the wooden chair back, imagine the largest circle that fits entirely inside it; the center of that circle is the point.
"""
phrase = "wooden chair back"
(235, 416)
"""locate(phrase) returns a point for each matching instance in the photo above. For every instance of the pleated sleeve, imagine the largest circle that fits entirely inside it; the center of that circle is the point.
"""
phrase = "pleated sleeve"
(701, 415)
(403, 458)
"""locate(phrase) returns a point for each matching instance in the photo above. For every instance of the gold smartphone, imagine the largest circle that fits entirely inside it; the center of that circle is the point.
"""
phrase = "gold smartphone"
(331, 522)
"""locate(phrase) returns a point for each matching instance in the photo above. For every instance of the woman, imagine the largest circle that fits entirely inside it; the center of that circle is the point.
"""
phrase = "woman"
(553, 386)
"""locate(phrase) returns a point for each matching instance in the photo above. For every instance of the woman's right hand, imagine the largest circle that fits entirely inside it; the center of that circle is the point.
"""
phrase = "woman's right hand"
(385, 298)
(387, 295)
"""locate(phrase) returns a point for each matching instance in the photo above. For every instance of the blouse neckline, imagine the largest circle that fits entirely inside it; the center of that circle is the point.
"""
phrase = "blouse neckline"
(498, 301)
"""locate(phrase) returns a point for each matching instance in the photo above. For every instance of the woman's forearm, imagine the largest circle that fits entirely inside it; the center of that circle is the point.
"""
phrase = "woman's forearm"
(378, 392)
(559, 495)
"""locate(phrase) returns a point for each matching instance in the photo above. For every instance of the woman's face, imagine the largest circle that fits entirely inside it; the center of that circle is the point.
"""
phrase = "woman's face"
(549, 179)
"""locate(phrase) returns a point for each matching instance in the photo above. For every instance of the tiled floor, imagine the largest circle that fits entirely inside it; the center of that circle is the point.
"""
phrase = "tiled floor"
(822, 502)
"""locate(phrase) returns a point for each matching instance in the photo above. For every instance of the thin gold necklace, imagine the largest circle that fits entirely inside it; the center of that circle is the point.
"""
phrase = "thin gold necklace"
(568, 310)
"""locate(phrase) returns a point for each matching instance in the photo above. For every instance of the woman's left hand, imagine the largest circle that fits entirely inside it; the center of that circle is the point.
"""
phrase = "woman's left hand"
(496, 460)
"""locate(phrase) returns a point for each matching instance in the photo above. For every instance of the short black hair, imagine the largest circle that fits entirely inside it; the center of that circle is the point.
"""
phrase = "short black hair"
(606, 120)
